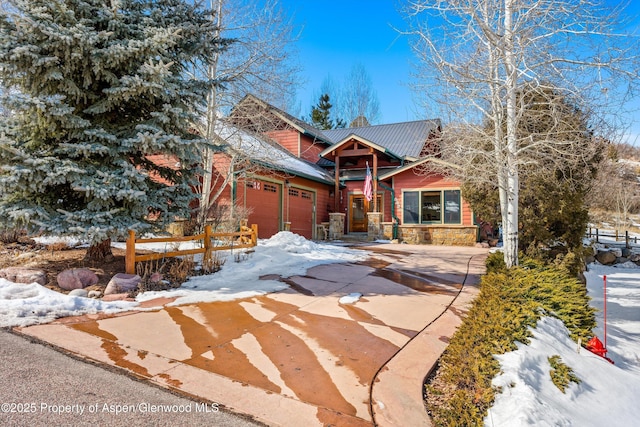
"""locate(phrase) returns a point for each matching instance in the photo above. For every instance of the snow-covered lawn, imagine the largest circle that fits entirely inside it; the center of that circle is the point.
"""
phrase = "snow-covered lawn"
(608, 395)
(285, 254)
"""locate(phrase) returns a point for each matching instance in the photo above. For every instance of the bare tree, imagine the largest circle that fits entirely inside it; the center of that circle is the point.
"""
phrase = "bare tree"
(259, 61)
(476, 57)
(358, 102)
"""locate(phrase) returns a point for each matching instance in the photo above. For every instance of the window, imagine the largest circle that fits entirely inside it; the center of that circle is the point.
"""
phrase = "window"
(270, 188)
(431, 207)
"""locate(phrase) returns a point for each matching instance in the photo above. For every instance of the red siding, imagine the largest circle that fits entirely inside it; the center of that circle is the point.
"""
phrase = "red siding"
(288, 139)
(408, 180)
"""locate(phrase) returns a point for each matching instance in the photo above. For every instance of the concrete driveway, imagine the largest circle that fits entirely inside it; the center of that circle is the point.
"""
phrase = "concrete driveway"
(299, 356)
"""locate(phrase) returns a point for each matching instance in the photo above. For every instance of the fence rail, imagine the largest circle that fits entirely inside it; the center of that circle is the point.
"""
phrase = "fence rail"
(247, 237)
(598, 233)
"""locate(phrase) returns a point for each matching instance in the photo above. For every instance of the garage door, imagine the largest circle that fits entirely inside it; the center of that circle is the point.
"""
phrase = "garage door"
(301, 212)
(264, 199)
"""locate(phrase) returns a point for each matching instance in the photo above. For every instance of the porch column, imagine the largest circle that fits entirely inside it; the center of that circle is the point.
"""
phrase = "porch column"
(375, 182)
(336, 197)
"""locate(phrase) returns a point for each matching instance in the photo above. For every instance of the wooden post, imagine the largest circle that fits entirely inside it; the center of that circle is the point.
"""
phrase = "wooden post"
(336, 190)
(130, 254)
(254, 236)
(376, 208)
(207, 241)
(626, 239)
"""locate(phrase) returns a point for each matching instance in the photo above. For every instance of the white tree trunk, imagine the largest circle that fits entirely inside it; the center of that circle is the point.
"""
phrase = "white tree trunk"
(510, 210)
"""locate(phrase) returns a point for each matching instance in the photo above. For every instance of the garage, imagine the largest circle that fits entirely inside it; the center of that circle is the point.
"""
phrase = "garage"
(264, 198)
(301, 211)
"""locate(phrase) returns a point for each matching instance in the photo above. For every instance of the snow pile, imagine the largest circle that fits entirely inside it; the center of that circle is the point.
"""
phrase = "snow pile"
(285, 254)
(352, 298)
(22, 305)
(607, 394)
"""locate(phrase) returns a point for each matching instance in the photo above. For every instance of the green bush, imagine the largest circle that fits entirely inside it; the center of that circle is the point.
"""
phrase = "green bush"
(561, 374)
(510, 302)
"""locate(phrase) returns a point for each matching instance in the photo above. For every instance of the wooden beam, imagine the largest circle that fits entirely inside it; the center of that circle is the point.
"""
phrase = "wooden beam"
(355, 152)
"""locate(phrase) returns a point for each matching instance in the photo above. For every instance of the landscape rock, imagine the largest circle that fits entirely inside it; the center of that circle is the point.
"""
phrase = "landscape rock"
(626, 252)
(589, 259)
(79, 293)
(24, 275)
(606, 257)
(634, 257)
(76, 278)
(94, 294)
(117, 297)
(121, 282)
(617, 252)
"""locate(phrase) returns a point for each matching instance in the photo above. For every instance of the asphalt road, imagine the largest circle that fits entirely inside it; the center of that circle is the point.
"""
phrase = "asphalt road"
(40, 386)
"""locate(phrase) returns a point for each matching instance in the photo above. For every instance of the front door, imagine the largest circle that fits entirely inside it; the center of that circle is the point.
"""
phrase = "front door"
(357, 213)
(359, 206)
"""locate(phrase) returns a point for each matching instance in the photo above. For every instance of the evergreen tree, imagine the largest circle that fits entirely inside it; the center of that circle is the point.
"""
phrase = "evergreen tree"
(553, 187)
(96, 88)
(321, 115)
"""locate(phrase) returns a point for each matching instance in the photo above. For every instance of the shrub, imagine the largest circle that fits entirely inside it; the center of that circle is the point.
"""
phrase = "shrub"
(561, 374)
(510, 302)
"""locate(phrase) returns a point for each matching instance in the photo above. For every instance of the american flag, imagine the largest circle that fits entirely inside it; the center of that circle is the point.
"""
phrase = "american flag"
(368, 189)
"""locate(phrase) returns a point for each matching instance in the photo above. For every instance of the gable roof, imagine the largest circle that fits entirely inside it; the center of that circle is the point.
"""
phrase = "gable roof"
(258, 149)
(300, 125)
(405, 140)
(364, 141)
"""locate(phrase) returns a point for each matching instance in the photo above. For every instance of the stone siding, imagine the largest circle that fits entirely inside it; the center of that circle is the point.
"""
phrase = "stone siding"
(436, 234)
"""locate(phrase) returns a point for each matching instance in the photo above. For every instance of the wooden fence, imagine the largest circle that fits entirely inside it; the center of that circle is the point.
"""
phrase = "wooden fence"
(598, 233)
(247, 237)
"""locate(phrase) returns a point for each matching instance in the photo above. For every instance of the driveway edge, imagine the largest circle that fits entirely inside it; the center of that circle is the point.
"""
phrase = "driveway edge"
(397, 390)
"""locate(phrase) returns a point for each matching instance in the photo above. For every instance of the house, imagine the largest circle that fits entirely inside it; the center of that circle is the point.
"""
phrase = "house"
(311, 181)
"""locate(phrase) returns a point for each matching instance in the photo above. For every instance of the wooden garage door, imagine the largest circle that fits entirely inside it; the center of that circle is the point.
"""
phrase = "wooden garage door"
(301, 212)
(264, 198)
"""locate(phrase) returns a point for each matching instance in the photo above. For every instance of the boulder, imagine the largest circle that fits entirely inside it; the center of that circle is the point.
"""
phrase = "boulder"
(94, 294)
(78, 293)
(606, 257)
(24, 275)
(122, 283)
(76, 278)
(117, 297)
(617, 252)
(626, 252)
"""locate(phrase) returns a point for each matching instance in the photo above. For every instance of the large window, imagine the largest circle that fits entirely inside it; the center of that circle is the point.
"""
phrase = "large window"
(431, 207)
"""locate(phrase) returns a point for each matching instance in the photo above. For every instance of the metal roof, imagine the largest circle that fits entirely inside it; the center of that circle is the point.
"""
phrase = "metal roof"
(403, 139)
(259, 149)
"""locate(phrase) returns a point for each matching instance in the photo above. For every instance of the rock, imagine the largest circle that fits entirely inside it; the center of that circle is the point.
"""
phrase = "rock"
(589, 259)
(122, 283)
(94, 294)
(76, 278)
(78, 293)
(621, 260)
(626, 252)
(24, 275)
(484, 245)
(617, 252)
(117, 297)
(606, 257)
(634, 257)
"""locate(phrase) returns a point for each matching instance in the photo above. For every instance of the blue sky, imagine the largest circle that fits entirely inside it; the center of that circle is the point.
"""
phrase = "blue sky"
(337, 34)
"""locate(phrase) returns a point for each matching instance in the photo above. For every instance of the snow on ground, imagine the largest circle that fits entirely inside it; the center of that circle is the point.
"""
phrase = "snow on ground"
(22, 304)
(607, 394)
(284, 255)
